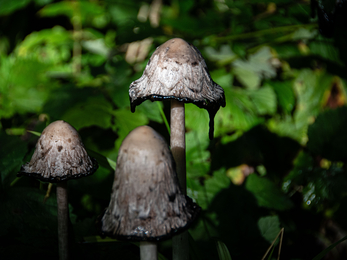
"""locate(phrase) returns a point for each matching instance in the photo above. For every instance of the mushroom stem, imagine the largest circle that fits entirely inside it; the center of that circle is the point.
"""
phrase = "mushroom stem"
(148, 250)
(180, 245)
(63, 220)
(178, 141)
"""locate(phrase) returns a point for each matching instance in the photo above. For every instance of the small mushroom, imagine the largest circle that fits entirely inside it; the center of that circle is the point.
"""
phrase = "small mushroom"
(146, 202)
(177, 71)
(59, 156)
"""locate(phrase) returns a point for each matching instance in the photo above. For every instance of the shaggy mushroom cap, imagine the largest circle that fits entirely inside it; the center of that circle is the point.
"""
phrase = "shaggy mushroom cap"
(59, 155)
(146, 201)
(178, 71)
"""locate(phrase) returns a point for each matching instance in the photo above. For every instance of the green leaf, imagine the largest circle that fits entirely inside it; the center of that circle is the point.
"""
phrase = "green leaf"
(203, 195)
(269, 227)
(9, 6)
(97, 185)
(309, 88)
(93, 111)
(267, 193)
(122, 13)
(84, 10)
(24, 86)
(127, 121)
(96, 46)
(327, 135)
(223, 56)
(40, 41)
(239, 114)
(222, 250)
(285, 94)
(194, 251)
(325, 48)
(264, 100)
(196, 155)
(102, 160)
(257, 67)
(197, 120)
(248, 78)
(222, 78)
(12, 153)
(213, 185)
(26, 214)
(150, 109)
(303, 33)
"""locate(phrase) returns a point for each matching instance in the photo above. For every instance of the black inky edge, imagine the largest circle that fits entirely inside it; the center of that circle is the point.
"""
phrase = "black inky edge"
(211, 107)
(196, 212)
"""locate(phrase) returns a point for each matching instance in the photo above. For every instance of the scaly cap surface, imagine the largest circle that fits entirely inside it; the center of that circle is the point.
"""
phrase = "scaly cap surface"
(59, 155)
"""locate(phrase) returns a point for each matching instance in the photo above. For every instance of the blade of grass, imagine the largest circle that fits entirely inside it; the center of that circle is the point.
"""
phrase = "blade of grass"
(34, 133)
(280, 245)
(102, 160)
(98, 239)
(164, 117)
(223, 251)
(255, 34)
(193, 248)
(328, 249)
(270, 255)
(273, 242)
(15, 181)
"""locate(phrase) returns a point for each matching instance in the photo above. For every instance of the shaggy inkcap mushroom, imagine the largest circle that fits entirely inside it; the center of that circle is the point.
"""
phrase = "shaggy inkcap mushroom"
(178, 71)
(59, 155)
(146, 201)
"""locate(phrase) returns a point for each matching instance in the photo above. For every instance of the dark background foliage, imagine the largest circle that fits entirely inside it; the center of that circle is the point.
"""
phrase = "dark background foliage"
(279, 154)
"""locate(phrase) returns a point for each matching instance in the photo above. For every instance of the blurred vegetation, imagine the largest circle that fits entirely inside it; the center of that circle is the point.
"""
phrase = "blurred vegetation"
(279, 155)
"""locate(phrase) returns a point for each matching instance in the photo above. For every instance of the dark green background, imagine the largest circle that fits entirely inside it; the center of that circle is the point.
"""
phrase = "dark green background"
(279, 154)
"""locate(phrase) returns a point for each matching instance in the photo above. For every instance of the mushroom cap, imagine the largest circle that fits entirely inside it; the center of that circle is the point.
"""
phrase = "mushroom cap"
(177, 70)
(59, 155)
(146, 201)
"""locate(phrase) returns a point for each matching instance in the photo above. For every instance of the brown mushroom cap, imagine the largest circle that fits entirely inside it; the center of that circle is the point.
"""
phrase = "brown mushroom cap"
(178, 71)
(146, 201)
(59, 155)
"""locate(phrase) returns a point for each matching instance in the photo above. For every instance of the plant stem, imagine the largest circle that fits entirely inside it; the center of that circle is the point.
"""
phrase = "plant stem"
(255, 34)
(63, 220)
(77, 35)
(180, 243)
(148, 250)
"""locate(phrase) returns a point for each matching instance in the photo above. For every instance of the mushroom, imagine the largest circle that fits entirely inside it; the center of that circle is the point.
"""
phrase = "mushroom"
(177, 71)
(146, 204)
(60, 156)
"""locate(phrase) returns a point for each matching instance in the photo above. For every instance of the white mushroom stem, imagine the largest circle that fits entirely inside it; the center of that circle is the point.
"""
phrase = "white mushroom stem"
(63, 220)
(148, 250)
(180, 245)
(178, 141)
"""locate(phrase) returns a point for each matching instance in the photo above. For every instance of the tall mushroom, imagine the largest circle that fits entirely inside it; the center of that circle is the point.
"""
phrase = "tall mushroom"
(60, 156)
(177, 71)
(146, 204)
